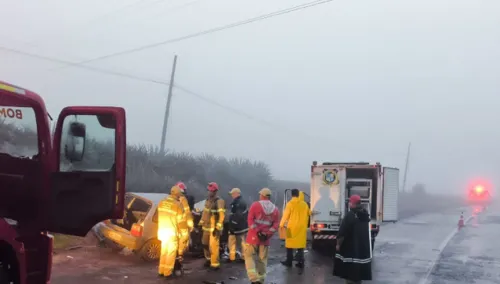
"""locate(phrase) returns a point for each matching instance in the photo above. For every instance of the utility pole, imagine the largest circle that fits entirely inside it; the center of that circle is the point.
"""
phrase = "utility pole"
(167, 108)
(406, 167)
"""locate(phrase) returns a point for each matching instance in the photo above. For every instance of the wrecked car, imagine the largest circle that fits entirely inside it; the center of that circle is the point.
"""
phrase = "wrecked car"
(137, 230)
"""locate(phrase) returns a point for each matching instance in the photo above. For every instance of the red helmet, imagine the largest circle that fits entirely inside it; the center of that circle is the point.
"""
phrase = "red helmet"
(182, 186)
(212, 186)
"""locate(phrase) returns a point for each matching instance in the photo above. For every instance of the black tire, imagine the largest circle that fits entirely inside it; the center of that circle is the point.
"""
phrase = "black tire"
(4, 275)
(315, 245)
(150, 251)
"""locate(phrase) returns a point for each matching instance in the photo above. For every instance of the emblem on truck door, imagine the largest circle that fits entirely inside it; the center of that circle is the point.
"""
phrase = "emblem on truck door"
(330, 177)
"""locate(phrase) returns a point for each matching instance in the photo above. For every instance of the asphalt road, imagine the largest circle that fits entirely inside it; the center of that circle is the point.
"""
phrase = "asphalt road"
(473, 255)
(424, 249)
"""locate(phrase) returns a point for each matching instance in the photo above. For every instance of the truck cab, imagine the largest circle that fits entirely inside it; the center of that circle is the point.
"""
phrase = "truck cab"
(331, 186)
(64, 182)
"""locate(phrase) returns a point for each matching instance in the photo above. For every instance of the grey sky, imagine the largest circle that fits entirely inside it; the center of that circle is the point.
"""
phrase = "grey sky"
(358, 79)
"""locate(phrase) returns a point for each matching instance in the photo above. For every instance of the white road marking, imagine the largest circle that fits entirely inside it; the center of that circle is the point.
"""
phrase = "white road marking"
(444, 243)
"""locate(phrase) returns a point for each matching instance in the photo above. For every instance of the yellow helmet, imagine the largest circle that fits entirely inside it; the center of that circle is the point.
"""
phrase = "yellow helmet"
(175, 191)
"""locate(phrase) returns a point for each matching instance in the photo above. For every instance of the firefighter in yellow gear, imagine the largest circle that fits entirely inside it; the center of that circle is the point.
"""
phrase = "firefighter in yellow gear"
(212, 221)
(186, 225)
(170, 215)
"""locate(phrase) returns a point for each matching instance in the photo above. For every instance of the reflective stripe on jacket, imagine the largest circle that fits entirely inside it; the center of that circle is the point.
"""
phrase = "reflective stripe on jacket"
(238, 223)
(170, 214)
(187, 218)
(213, 214)
(263, 217)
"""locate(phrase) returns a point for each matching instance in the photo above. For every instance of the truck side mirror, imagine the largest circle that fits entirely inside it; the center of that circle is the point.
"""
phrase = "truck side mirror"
(74, 146)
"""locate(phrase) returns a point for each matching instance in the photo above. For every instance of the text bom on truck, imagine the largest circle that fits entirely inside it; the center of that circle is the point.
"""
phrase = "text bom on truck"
(10, 113)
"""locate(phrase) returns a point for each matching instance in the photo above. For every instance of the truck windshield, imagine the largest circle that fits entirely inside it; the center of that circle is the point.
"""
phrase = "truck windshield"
(18, 131)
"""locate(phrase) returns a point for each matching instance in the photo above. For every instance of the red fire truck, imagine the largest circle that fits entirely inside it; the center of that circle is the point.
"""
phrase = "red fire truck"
(53, 182)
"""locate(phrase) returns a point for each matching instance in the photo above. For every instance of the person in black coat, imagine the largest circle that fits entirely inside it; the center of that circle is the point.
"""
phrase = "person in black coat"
(353, 255)
(238, 223)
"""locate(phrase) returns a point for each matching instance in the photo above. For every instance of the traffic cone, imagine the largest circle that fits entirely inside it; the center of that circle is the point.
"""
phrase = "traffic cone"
(461, 221)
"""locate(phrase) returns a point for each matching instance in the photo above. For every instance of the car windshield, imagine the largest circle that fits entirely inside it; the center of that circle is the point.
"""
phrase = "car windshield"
(18, 131)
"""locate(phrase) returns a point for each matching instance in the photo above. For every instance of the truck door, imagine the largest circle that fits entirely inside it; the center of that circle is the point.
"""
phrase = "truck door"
(390, 194)
(89, 184)
(21, 168)
(327, 186)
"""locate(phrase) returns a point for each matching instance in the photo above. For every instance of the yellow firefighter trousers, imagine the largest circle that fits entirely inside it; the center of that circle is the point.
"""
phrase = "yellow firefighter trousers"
(211, 248)
(232, 242)
(256, 262)
(183, 241)
(168, 254)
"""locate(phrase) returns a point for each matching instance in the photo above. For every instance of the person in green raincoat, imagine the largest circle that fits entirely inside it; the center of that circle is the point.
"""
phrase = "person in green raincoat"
(295, 218)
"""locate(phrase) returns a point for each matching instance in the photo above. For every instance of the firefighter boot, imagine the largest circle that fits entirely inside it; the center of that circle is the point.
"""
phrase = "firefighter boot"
(178, 268)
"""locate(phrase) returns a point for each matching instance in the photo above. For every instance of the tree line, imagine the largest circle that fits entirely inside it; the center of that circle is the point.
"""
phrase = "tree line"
(150, 170)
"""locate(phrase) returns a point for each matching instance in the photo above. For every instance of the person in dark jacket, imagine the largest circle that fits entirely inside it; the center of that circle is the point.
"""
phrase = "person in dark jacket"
(238, 224)
(353, 255)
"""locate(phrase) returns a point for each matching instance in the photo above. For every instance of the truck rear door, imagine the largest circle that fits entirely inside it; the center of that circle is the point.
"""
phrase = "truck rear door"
(390, 194)
(89, 184)
(326, 198)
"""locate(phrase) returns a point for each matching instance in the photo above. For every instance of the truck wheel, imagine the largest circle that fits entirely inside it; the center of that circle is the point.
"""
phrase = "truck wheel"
(315, 245)
(4, 275)
(150, 251)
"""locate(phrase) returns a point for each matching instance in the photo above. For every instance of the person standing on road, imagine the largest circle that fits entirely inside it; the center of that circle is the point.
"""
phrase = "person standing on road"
(170, 214)
(212, 221)
(186, 225)
(190, 198)
(238, 223)
(295, 218)
(263, 219)
(354, 256)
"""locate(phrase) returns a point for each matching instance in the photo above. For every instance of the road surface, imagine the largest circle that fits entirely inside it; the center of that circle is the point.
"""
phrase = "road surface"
(418, 250)
(473, 255)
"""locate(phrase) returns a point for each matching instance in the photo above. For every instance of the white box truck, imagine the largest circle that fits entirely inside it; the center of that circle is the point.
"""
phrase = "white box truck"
(331, 186)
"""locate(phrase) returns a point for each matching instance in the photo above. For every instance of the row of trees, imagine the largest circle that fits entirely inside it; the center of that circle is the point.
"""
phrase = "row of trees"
(149, 170)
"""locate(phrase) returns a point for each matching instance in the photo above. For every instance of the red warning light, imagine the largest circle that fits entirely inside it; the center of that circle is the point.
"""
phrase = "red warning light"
(479, 189)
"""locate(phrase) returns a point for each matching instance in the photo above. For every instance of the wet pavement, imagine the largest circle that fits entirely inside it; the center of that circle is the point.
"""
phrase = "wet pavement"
(473, 255)
(415, 250)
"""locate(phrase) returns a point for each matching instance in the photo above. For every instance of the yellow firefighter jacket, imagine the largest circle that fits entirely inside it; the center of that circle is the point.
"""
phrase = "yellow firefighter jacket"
(170, 214)
(187, 217)
(213, 214)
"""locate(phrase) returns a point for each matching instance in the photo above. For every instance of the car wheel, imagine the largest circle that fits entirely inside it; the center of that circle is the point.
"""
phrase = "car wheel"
(150, 251)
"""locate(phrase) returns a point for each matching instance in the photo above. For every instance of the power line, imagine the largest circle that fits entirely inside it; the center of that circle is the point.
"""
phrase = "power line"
(204, 32)
(128, 76)
(184, 89)
(98, 70)
(245, 115)
(35, 43)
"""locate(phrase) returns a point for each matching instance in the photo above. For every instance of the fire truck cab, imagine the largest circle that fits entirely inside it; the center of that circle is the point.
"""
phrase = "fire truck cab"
(64, 182)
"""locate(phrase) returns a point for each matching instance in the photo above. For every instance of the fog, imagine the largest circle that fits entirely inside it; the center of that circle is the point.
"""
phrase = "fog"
(341, 81)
